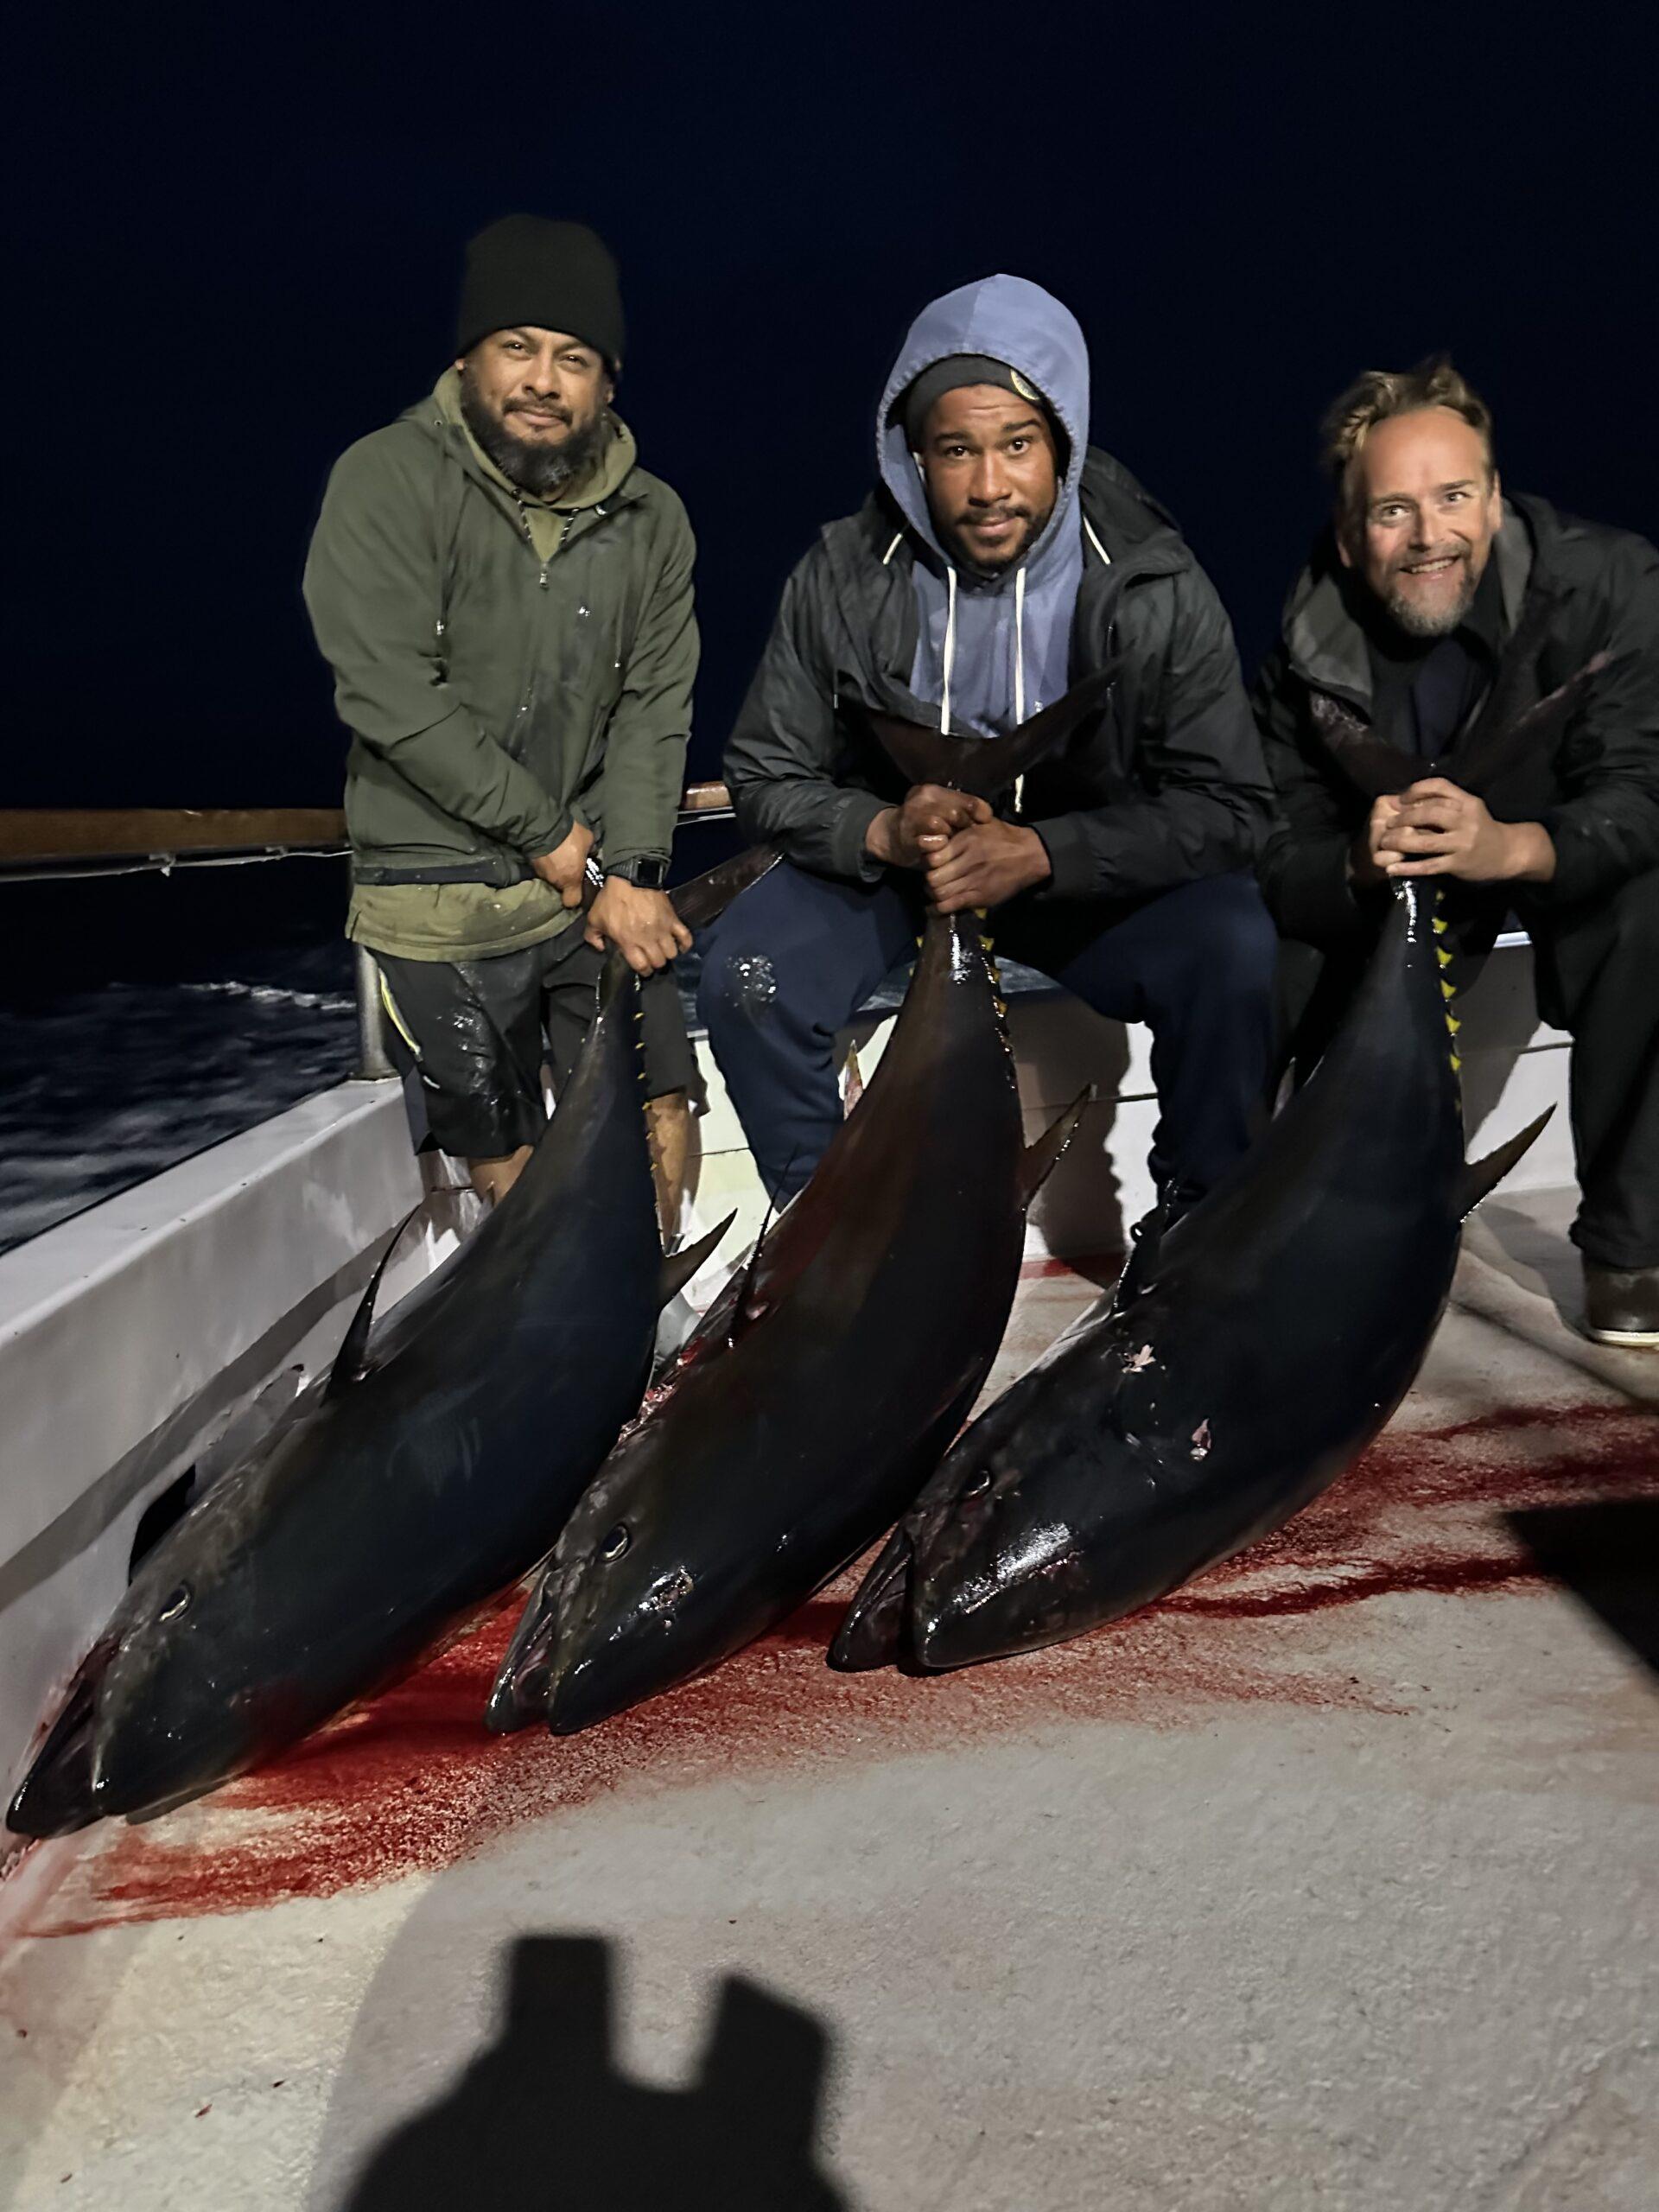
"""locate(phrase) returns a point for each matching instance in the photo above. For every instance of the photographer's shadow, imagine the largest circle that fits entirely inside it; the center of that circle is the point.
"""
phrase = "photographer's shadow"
(542, 2119)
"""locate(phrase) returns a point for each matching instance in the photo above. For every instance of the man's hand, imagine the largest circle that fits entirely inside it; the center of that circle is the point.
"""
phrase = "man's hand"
(642, 925)
(984, 865)
(1435, 829)
(909, 835)
(563, 867)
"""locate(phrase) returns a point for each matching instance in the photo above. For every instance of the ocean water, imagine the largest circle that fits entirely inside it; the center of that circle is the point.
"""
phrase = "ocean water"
(144, 1018)
(103, 1086)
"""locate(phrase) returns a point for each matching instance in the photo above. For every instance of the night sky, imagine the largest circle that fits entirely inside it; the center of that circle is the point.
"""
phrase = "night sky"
(240, 239)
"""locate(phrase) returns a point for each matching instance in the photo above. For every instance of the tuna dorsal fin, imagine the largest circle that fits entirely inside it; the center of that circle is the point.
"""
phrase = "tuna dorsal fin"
(1040, 1161)
(698, 902)
(352, 1360)
(679, 1266)
(1481, 1176)
(988, 765)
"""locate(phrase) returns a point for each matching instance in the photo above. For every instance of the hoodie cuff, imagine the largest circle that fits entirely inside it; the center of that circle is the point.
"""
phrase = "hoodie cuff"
(1071, 859)
(848, 856)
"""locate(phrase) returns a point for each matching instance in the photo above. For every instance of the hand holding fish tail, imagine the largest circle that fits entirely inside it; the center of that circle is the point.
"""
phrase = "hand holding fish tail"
(905, 836)
(1436, 828)
(985, 866)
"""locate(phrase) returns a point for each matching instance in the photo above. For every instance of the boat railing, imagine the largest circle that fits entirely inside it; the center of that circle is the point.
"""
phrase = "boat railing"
(62, 844)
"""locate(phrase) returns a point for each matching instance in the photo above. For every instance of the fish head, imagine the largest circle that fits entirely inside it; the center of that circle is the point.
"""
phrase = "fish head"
(1010, 1557)
(201, 1668)
(143, 1727)
(625, 1609)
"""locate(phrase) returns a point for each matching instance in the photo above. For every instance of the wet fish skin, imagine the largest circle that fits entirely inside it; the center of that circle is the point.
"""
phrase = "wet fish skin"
(384, 1508)
(858, 1345)
(777, 1459)
(1283, 1321)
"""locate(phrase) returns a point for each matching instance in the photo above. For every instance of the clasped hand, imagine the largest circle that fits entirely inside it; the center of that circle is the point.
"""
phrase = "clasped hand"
(970, 858)
(1435, 828)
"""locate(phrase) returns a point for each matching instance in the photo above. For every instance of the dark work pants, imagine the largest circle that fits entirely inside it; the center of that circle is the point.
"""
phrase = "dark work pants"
(1597, 967)
(792, 960)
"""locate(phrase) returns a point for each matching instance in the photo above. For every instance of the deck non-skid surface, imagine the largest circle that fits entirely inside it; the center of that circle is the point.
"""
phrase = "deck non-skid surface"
(1330, 1883)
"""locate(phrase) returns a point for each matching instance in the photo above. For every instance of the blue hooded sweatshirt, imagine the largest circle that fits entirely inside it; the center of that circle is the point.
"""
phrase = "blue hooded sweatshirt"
(990, 652)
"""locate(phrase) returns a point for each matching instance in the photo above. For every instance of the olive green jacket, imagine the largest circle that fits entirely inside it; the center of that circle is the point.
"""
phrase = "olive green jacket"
(504, 670)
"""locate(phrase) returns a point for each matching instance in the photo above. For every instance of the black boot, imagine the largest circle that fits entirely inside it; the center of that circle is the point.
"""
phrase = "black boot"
(1621, 1305)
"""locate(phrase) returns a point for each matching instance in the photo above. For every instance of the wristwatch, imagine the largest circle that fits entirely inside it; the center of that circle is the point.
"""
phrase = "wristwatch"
(648, 872)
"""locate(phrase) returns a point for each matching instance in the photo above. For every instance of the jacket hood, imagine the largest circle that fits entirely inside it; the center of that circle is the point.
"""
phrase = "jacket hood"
(993, 651)
(1014, 320)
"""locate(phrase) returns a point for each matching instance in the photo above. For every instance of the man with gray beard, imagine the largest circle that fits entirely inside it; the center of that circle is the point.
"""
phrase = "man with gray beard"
(1429, 591)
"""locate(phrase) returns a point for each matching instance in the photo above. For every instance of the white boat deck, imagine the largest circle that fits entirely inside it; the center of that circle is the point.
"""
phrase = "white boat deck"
(1329, 1883)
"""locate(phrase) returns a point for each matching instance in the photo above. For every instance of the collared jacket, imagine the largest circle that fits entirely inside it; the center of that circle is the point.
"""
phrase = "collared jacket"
(1597, 792)
(497, 693)
(1163, 785)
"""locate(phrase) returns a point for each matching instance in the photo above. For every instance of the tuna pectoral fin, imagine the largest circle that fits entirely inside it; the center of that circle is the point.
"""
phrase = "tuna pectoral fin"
(698, 902)
(679, 1266)
(1482, 1176)
(351, 1361)
(1040, 1161)
(873, 1631)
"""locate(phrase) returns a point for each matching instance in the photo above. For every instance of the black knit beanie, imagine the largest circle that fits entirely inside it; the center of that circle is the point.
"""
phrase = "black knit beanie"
(528, 271)
(950, 375)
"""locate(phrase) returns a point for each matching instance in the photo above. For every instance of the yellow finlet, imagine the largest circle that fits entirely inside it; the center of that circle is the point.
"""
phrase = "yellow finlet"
(1448, 990)
(1442, 956)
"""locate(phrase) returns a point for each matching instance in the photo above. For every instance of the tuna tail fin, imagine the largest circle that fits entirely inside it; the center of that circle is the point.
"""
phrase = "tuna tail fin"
(679, 1266)
(1481, 1176)
(1039, 1161)
(988, 765)
(1497, 740)
(1376, 768)
(352, 1362)
(698, 903)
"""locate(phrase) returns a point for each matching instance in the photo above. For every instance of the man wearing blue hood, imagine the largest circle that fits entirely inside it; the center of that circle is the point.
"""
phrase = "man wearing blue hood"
(1002, 559)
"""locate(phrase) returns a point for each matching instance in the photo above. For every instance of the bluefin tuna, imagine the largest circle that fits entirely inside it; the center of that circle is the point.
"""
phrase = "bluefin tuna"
(433, 1468)
(852, 1352)
(1260, 1344)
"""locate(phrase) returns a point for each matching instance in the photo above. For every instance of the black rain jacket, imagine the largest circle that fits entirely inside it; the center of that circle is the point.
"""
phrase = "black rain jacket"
(1163, 785)
(1597, 792)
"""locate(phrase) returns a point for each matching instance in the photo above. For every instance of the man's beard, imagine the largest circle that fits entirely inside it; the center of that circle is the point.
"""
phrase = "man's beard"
(963, 556)
(544, 471)
(1439, 621)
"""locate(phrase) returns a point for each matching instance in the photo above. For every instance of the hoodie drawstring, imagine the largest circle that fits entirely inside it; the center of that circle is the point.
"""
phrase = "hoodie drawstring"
(1020, 645)
(950, 648)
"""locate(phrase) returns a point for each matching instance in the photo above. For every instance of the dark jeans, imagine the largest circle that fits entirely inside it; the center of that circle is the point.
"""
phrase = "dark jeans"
(1597, 967)
(791, 961)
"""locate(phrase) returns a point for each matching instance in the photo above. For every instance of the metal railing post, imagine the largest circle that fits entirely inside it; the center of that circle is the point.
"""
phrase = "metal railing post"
(372, 1065)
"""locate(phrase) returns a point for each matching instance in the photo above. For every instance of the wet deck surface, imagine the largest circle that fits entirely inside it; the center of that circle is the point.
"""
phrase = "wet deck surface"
(1331, 1882)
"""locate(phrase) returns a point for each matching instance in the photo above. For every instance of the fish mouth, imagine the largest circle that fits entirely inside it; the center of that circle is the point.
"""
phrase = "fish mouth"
(874, 1630)
(577, 1698)
(519, 1692)
(59, 1793)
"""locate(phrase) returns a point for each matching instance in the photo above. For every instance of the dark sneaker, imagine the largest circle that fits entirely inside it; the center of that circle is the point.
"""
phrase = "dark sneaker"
(1621, 1305)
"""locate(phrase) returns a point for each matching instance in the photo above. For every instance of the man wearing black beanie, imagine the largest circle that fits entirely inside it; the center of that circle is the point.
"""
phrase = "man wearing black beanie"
(504, 596)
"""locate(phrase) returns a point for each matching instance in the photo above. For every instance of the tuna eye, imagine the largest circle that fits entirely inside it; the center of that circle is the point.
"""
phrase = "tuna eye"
(176, 1604)
(616, 1543)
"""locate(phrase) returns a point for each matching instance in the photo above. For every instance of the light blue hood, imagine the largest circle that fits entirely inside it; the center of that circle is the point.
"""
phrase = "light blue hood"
(991, 653)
